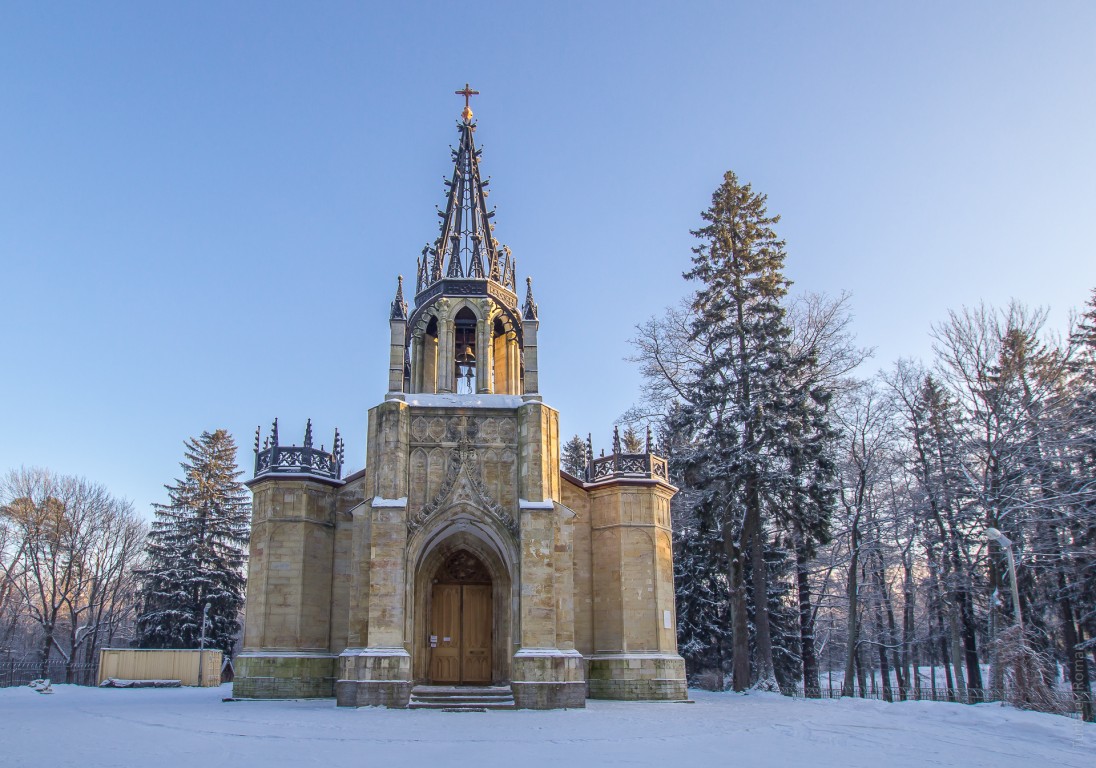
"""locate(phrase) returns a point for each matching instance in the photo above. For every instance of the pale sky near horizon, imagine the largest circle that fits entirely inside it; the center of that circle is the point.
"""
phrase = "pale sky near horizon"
(204, 206)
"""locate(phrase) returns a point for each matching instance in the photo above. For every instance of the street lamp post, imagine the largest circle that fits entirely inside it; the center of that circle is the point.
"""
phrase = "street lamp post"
(994, 535)
(1003, 541)
(201, 645)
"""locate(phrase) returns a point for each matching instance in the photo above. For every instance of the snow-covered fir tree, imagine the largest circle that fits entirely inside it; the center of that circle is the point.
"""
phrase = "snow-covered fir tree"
(742, 392)
(738, 401)
(631, 442)
(196, 551)
(703, 605)
(573, 457)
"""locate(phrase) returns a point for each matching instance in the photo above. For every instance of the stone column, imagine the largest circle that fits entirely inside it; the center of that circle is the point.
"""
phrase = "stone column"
(484, 332)
(513, 364)
(417, 346)
(483, 363)
(445, 348)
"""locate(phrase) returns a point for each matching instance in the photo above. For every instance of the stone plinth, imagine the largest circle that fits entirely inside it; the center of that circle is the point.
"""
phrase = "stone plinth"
(637, 677)
(284, 676)
(374, 677)
(548, 678)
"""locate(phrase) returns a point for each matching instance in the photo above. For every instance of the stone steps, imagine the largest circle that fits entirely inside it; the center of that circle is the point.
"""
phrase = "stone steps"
(462, 698)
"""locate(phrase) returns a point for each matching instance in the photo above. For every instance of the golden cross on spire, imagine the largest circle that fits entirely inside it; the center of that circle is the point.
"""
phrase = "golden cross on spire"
(467, 93)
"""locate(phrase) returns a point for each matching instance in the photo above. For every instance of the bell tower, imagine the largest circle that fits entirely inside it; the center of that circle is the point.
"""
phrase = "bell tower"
(466, 333)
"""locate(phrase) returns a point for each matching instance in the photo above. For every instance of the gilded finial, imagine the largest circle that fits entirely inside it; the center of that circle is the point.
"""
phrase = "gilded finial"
(467, 93)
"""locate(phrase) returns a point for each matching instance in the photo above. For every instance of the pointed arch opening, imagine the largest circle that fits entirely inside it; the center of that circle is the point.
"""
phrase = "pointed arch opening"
(462, 575)
(465, 337)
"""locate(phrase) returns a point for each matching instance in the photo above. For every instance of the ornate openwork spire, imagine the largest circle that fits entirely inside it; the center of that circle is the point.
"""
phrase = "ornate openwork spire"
(466, 246)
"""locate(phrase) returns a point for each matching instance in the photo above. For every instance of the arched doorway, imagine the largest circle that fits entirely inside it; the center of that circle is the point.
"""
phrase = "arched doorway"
(435, 559)
(461, 622)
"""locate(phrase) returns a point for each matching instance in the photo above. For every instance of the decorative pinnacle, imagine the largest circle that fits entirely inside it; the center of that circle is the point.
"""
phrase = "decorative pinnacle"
(467, 93)
(308, 434)
(529, 311)
(399, 306)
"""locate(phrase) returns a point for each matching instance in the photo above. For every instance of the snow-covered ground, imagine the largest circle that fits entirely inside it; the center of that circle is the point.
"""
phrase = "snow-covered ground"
(193, 728)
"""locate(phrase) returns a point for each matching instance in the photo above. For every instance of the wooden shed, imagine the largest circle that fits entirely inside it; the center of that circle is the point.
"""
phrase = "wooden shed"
(140, 664)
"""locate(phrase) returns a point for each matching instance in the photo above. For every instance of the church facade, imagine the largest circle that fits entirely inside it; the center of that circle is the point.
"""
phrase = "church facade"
(461, 554)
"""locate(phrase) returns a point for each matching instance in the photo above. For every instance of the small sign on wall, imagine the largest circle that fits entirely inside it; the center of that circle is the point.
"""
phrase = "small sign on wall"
(666, 623)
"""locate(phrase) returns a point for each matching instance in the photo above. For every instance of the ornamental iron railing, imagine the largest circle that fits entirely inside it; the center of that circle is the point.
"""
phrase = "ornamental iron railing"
(625, 465)
(645, 465)
(272, 458)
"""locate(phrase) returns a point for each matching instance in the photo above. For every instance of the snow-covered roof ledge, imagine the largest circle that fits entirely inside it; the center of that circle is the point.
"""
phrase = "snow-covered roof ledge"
(545, 653)
(526, 504)
(465, 401)
(382, 652)
(379, 502)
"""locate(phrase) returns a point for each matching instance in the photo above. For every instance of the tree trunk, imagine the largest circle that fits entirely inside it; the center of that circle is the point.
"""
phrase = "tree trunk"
(1078, 668)
(851, 590)
(811, 686)
(862, 675)
(970, 646)
(884, 667)
(740, 625)
(909, 644)
(942, 633)
(763, 644)
(915, 656)
(957, 654)
(44, 653)
(891, 632)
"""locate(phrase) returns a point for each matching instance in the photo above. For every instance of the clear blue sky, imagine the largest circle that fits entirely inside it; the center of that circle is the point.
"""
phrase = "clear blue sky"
(204, 206)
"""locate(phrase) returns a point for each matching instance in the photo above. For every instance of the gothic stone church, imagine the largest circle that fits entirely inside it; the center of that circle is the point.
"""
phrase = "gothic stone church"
(461, 554)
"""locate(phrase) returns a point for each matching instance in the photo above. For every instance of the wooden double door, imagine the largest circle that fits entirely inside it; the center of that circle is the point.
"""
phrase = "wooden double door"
(460, 634)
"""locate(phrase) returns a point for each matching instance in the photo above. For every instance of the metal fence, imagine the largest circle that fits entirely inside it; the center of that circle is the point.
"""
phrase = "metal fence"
(13, 672)
(1063, 702)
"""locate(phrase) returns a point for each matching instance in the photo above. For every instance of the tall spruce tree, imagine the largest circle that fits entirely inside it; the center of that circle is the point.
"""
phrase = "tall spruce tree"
(740, 401)
(1077, 568)
(196, 551)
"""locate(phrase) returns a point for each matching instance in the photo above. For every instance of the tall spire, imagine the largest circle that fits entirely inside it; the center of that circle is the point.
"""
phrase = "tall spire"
(466, 247)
